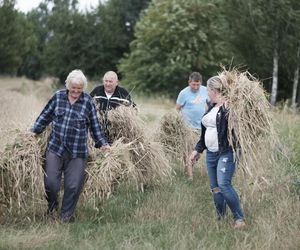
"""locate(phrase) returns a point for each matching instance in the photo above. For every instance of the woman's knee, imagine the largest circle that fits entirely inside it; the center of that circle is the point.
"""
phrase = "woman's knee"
(225, 186)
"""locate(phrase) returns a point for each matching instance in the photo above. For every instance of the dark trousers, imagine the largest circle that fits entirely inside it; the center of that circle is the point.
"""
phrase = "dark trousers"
(74, 172)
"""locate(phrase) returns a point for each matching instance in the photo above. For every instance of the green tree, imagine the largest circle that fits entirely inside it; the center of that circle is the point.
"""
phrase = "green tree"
(260, 34)
(16, 38)
(291, 54)
(173, 38)
(34, 64)
(93, 41)
(114, 29)
(67, 34)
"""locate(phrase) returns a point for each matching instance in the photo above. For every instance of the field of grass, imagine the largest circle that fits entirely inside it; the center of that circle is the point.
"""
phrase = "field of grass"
(175, 215)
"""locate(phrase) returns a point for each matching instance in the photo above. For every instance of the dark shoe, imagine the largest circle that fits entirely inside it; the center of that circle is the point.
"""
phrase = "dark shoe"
(50, 216)
(52, 208)
(52, 213)
(69, 219)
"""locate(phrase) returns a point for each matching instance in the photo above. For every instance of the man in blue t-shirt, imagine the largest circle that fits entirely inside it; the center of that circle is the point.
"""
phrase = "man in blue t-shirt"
(191, 101)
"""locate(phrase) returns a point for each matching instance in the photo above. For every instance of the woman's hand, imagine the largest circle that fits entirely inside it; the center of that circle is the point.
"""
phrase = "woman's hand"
(194, 157)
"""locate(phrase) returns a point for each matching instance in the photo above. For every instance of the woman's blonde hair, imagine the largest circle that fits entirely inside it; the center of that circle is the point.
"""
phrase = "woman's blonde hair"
(217, 83)
(76, 77)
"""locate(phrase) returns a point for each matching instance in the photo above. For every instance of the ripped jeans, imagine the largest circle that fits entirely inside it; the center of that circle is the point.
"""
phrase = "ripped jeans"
(220, 169)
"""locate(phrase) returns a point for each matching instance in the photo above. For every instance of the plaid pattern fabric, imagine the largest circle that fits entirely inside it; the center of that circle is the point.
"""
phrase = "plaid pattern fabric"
(70, 124)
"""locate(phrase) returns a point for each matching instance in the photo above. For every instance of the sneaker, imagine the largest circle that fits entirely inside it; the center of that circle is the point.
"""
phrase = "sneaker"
(239, 224)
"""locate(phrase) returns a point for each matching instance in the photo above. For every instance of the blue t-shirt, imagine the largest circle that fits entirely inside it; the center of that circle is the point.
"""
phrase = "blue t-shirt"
(193, 105)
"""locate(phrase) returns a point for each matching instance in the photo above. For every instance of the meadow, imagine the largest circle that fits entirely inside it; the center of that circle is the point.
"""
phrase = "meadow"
(177, 214)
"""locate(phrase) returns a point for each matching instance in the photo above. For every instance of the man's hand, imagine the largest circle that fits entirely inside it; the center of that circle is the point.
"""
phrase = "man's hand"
(30, 135)
(105, 147)
(178, 107)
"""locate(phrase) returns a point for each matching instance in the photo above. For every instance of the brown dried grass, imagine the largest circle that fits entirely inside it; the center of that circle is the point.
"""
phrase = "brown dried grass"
(133, 158)
(251, 123)
(176, 137)
(151, 164)
(21, 175)
(250, 119)
(105, 171)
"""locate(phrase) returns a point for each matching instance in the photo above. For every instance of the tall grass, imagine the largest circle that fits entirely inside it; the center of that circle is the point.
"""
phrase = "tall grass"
(288, 126)
(180, 214)
(20, 103)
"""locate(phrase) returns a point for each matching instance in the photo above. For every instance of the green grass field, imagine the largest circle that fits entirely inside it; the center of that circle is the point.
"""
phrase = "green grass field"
(177, 214)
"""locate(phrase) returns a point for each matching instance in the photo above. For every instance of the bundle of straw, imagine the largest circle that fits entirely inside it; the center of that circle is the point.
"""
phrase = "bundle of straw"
(148, 157)
(21, 174)
(124, 122)
(177, 138)
(106, 170)
(134, 157)
(250, 117)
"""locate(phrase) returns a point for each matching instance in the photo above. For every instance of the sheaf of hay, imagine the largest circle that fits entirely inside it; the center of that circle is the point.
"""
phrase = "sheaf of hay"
(133, 157)
(176, 137)
(250, 121)
(148, 156)
(105, 171)
(21, 175)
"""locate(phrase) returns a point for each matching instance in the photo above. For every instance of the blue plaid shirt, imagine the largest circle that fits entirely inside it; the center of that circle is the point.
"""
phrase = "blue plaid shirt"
(70, 124)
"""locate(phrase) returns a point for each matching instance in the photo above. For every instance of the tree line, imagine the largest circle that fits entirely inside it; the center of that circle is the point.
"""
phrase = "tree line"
(154, 45)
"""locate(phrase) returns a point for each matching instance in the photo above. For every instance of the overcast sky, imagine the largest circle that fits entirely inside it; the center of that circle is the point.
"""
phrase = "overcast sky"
(27, 5)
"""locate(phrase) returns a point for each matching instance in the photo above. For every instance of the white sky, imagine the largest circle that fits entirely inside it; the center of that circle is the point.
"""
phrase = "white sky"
(27, 5)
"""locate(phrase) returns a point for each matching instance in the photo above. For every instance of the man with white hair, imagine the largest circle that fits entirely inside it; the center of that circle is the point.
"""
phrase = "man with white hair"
(71, 112)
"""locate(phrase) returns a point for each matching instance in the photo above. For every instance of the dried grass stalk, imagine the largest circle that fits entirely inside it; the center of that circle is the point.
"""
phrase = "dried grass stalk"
(152, 167)
(250, 119)
(21, 175)
(134, 157)
(105, 171)
(124, 122)
(148, 157)
(177, 138)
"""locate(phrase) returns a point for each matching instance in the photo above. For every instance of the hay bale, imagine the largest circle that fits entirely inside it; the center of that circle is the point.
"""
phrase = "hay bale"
(21, 175)
(152, 167)
(177, 138)
(124, 122)
(134, 157)
(105, 171)
(151, 164)
(250, 121)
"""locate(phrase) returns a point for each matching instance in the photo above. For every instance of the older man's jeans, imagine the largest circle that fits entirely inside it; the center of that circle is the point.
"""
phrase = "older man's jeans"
(220, 169)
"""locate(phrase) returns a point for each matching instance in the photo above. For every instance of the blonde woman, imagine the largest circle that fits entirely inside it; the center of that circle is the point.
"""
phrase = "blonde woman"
(219, 156)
